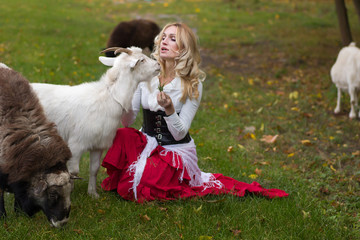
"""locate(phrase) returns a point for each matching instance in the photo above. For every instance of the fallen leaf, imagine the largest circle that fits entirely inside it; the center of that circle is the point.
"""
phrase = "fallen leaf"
(294, 95)
(241, 146)
(144, 217)
(253, 176)
(258, 171)
(308, 133)
(306, 142)
(259, 110)
(249, 129)
(215, 201)
(236, 232)
(205, 237)
(78, 231)
(296, 109)
(101, 211)
(307, 115)
(305, 214)
(262, 127)
(357, 153)
(198, 209)
(324, 190)
(269, 138)
(262, 163)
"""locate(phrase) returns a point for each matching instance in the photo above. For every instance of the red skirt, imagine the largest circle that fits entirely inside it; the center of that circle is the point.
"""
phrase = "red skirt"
(161, 178)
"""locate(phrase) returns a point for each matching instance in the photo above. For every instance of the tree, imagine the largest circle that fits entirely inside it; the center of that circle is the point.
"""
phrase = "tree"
(343, 20)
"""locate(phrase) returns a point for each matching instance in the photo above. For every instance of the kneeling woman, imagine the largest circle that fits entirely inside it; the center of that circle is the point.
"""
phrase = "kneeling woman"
(160, 161)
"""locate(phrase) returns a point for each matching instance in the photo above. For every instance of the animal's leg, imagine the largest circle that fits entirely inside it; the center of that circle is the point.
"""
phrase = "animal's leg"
(17, 206)
(73, 163)
(353, 103)
(337, 109)
(356, 101)
(2, 204)
(94, 168)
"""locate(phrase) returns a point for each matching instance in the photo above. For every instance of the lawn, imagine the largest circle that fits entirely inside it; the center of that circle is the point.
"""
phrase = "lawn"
(267, 65)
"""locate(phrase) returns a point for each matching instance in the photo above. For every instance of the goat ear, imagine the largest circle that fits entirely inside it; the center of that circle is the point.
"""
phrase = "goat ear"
(133, 63)
(107, 61)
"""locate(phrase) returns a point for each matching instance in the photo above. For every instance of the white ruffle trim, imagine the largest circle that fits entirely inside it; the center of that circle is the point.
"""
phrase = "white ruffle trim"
(186, 153)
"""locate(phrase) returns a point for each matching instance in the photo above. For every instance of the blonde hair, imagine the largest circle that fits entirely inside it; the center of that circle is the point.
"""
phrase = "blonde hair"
(188, 61)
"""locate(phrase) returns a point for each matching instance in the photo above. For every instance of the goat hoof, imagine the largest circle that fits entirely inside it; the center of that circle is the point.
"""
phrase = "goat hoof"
(352, 115)
(94, 195)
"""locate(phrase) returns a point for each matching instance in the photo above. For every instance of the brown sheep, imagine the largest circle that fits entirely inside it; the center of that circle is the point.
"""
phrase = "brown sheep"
(32, 154)
(138, 33)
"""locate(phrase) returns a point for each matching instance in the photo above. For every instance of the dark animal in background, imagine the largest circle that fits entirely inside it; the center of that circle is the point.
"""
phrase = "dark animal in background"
(32, 154)
(138, 33)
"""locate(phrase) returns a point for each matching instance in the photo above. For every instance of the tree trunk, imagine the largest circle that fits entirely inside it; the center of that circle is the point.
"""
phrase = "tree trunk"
(357, 7)
(343, 22)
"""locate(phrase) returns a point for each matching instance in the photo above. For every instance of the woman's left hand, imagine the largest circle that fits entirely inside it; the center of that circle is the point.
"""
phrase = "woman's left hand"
(165, 101)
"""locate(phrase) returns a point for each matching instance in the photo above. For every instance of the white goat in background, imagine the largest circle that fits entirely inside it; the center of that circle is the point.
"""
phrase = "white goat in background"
(345, 74)
(87, 115)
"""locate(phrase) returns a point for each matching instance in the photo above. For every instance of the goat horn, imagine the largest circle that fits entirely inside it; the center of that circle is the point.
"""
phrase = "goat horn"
(75, 177)
(117, 50)
(128, 51)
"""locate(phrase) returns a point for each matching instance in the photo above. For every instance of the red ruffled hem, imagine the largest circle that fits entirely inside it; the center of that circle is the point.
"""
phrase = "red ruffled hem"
(161, 179)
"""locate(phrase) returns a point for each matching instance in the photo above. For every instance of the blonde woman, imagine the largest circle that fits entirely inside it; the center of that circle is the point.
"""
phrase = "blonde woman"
(160, 160)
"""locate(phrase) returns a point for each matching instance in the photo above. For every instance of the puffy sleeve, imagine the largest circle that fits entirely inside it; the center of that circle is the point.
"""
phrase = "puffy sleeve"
(129, 117)
(179, 124)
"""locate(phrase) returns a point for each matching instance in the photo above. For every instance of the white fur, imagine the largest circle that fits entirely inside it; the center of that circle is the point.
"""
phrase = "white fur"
(345, 74)
(87, 115)
(2, 65)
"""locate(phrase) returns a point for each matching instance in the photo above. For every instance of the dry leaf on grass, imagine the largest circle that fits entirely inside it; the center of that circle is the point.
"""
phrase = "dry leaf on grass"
(269, 138)
(306, 142)
(258, 172)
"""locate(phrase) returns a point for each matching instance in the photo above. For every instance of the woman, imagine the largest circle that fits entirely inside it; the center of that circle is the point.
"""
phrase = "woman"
(160, 161)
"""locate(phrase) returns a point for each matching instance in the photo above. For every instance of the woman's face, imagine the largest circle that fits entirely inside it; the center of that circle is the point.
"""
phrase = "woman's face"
(168, 46)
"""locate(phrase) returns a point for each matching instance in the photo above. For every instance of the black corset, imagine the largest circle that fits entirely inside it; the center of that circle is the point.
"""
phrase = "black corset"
(154, 125)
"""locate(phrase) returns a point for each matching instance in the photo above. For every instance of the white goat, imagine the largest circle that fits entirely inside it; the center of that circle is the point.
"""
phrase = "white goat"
(87, 115)
(345, 74)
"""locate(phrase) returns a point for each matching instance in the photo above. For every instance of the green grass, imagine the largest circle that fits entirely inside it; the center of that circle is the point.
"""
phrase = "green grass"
(267, 65)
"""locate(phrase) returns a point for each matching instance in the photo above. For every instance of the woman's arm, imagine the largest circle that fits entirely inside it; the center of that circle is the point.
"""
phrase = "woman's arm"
(179, 124)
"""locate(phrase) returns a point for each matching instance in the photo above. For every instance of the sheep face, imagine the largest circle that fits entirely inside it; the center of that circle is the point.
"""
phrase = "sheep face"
(52, 194)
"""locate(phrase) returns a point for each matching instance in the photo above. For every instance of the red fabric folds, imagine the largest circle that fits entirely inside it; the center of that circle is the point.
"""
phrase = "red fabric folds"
(160, 179)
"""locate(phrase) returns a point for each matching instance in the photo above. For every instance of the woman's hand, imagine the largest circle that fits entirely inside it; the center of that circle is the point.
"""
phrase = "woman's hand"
(165, 101)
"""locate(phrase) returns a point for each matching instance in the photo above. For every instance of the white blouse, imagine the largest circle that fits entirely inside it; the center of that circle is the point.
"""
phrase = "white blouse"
(146, 95)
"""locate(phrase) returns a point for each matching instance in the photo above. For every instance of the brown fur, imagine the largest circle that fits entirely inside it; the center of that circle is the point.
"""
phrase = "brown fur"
(29, 143)
(138, 33)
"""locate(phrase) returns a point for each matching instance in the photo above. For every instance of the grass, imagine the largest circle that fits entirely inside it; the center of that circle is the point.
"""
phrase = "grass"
(268, 68)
